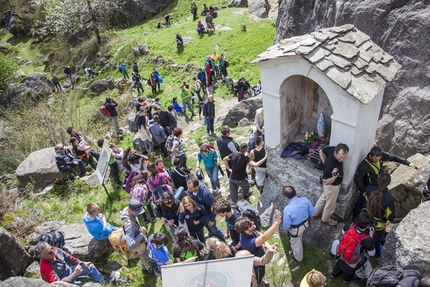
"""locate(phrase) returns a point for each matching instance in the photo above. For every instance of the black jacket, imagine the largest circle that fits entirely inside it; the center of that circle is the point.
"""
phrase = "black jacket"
(162, 210)
(63, 159)
(165, 119)
(111, 107)
(366, 175)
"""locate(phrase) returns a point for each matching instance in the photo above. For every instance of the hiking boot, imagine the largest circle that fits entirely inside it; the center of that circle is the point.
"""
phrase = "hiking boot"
(330, 222)
(317, 216)
(250, 192)
(76, 177)
(147, 220)
(153, 218)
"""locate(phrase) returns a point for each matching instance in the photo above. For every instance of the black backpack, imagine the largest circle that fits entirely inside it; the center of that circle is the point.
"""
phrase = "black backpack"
(247, 210)
(53, 238)
(389, 276)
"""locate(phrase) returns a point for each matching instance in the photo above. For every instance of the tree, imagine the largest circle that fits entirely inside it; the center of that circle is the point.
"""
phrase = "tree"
(68, 17)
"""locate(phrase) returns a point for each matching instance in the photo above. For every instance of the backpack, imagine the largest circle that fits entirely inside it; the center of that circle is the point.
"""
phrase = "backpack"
(53, 238)
(226, 64)
(118, 242)
(391, 276)
(159, 189)
(350, 245)
(247, 210)
(169, 143)
(104, 111)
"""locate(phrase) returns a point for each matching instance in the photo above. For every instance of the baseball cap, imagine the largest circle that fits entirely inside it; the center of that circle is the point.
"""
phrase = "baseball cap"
(136, 206)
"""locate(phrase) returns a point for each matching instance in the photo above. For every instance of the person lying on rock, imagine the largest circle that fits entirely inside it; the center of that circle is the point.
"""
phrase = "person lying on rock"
(58, 265)
(65, 161)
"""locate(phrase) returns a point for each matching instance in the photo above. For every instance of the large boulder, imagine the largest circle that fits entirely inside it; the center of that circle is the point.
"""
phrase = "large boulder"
(102, 85)
(244, 109)
(39, 168)
(143, 49)
(259, 8)
(15, 24)
(131, 119)
(34, 87)
(407, 244)
(23, 281)
(14, 259)
(396, 26)
(238, 3)
(78, 240)
(406, 184)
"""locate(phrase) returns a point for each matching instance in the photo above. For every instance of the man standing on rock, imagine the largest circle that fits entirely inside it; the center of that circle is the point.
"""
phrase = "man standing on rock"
(333, 158)
(57, 265)
(366, 176)
(297, 214)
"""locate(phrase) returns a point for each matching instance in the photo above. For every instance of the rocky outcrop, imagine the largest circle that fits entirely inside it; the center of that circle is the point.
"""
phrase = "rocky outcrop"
(259, 8)
(40, 169)
(131, 119)
(34, 87)
(138, 10)
(407, 243)
(244, 109)
(238, 3)
(406, 184)
(78, 240)
(13, 257)
(143, 49)
(102, 85)
(23, 281)
(398, 28)
(15, 24)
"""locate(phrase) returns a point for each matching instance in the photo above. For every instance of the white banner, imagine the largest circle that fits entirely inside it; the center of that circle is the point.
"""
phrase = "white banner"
(229, 272)
(103, 162)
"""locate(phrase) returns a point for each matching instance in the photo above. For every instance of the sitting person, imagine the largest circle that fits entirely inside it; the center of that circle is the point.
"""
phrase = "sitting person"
(179, 174)
(200, 28)
(135, 234)
(82, 151)
(80, 137)
(218, 249)
(257, 89)
(65, 161)
(57, 265)
(96, 223)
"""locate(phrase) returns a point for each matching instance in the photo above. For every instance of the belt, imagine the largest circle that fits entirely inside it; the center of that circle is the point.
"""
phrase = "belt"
(297, 226)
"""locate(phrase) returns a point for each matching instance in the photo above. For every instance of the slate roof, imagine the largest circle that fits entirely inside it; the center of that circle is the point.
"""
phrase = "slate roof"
(346, 55)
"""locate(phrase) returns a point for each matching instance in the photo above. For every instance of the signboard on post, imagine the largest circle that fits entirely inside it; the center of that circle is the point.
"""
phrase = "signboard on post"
(103, 163)
(229, 272)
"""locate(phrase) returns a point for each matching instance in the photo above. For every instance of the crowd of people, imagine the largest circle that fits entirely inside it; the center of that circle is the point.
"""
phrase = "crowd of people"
(186, 206)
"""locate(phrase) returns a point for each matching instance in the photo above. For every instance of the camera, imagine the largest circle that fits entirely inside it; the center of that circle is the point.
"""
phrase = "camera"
(335, 173)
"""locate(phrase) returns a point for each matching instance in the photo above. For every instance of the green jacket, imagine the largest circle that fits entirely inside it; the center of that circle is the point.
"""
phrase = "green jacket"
(185, 95)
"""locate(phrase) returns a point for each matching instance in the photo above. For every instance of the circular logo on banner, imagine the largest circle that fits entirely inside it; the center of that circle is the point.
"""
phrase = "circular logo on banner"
(216, 276)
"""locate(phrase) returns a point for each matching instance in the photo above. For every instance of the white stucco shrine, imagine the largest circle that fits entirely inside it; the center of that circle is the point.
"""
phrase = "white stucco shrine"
(338, 71)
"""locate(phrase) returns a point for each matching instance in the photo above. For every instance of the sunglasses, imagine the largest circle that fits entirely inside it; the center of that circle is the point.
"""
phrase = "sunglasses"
(168, 202)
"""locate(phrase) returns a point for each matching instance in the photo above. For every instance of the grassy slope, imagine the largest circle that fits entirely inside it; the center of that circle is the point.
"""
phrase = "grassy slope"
(68, 202)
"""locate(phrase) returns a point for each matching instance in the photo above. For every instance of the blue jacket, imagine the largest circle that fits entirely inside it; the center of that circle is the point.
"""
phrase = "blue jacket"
(205, 198)
(96, 227)
(201, 76)
(177, 107)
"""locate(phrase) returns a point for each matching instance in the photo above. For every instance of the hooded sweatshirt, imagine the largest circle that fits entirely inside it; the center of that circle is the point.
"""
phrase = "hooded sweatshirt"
(131, 230)
(97, 228)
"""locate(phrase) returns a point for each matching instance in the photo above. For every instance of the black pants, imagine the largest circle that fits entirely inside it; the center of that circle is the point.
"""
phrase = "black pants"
(114, 171)
(259, 273)
(342, 268)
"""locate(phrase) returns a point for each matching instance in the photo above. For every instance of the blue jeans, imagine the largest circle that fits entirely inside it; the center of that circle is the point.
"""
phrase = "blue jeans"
(178, 193)
(185, 104)
(92, 272)
(214, 230)
(213, 176)
(210, 124)
(69, 168)
(149, 146)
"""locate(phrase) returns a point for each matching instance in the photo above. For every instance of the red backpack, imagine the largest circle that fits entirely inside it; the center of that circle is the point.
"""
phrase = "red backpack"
(350, 245)
(104, 111)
